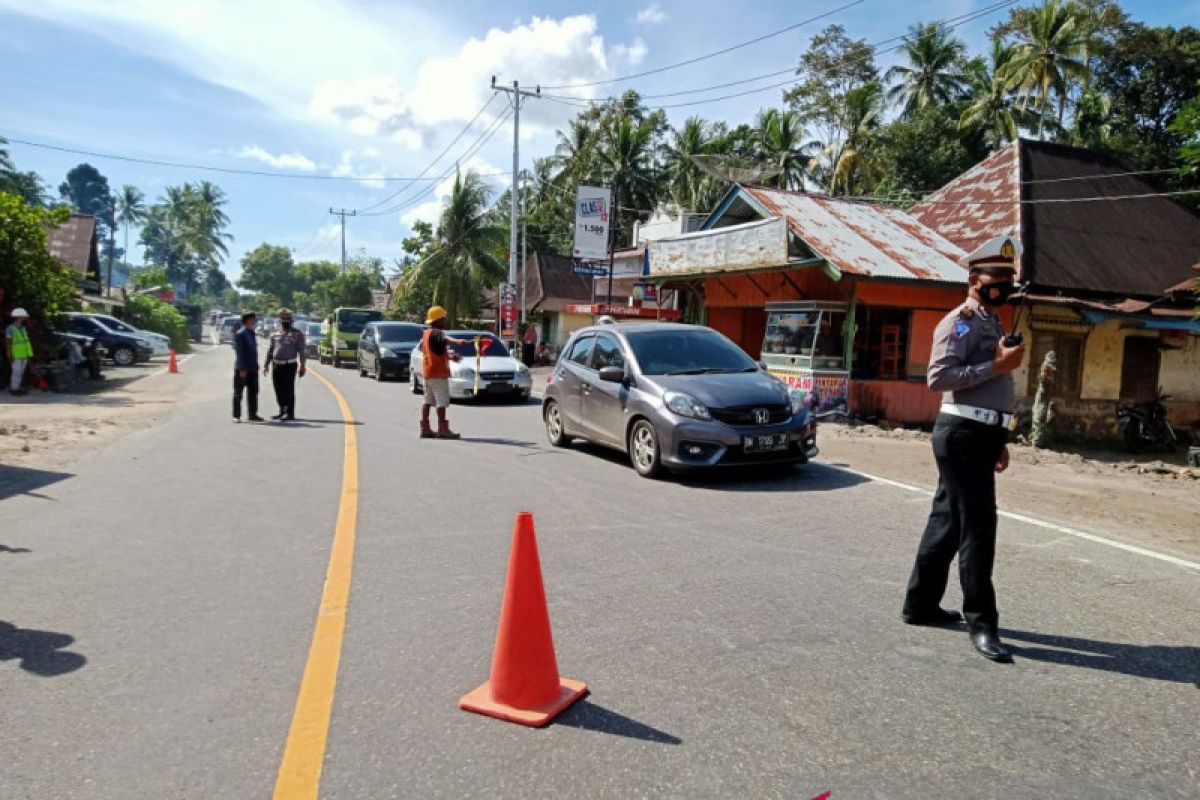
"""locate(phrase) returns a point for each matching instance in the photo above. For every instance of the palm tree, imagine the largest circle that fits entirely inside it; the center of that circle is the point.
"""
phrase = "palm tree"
(574, 156)
(852, 158)
(624, 157)
(933, 74)
(131, 210)
(464, 261)
(1048, 55)
(685, 180)
(779, 141)
(991, 110)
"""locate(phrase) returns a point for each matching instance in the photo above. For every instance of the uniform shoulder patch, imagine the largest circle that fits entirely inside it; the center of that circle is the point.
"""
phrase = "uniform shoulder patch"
(961, 328)
(966, 312)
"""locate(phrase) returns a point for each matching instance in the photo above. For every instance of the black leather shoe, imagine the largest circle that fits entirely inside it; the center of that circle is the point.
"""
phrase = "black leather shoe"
(937, 617)
(277, 416)
(987, 644)
(256, 418)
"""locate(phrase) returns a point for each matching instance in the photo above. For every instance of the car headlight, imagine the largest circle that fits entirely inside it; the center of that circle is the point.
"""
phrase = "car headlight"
(387, 352)
(686, 406)
(798, 400)
(522, 369)
(465, 372)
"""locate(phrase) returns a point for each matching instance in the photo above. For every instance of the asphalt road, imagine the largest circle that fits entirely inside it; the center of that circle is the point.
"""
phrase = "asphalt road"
(740, 635)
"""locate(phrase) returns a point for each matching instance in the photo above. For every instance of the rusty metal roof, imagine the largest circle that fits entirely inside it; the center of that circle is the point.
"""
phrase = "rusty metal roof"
(74, 244)
(863, 238)
(977, 205)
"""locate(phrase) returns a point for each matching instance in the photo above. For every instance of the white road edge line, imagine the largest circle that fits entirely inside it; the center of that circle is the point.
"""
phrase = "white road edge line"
(1040, 523)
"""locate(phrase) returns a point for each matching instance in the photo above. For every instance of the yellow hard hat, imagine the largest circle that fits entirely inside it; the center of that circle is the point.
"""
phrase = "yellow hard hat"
(435, 313)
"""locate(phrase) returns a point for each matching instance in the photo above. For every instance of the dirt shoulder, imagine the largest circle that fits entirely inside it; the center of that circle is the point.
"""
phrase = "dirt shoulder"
(1150, 503)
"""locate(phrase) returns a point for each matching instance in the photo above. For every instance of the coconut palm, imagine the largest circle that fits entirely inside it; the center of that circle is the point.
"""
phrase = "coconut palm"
(779, 141)
(574, 155)
(852, 159)
(624, 156)
(464, 261)
(933, 73)
(685, 180)
(131, 210)
(991, 111)
(1048, 56)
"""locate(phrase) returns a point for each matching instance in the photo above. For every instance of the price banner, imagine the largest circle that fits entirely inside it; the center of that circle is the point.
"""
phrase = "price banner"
(593, 208)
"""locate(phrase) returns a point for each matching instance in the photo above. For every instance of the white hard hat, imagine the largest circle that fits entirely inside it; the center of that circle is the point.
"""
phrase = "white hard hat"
(20, 312)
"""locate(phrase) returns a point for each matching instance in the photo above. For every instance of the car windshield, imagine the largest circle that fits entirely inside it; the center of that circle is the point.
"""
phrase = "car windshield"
(673, 351)
(313, 330)
(116, 324)
(230, 323)
(495, 348)
(399, 332)
(350, 321)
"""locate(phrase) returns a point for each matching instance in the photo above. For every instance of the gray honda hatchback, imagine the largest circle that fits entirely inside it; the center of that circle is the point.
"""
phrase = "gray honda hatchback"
(678, 397)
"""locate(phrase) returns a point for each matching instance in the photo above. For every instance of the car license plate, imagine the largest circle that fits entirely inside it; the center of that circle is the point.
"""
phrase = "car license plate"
(499, 388)
(764, 443)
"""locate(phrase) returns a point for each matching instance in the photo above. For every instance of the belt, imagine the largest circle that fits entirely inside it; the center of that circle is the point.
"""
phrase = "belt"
(285, 360)
(985, 415)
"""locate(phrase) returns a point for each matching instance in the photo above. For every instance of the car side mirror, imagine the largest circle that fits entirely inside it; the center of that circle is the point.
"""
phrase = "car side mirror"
(612, 375)
(763, 366)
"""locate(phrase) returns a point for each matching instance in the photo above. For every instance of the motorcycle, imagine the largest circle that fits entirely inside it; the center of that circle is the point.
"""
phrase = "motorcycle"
(1145, 424)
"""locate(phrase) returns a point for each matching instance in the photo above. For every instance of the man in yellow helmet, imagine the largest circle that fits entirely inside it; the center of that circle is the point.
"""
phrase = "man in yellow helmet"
(435, 373)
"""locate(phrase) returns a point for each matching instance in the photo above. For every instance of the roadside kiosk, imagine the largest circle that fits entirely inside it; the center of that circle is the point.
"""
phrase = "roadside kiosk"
(805, 347)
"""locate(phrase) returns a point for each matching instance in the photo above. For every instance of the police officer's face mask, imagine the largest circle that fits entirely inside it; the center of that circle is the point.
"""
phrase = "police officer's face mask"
(287, 325)
(996, 294)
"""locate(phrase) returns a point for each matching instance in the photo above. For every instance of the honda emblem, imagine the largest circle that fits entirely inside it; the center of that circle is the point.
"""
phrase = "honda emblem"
(761, 416)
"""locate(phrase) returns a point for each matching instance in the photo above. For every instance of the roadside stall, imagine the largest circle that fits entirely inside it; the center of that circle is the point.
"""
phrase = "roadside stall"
(805, 347)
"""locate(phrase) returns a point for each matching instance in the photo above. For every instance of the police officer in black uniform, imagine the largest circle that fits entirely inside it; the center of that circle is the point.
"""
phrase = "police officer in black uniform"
(971, 364)
(285, 359)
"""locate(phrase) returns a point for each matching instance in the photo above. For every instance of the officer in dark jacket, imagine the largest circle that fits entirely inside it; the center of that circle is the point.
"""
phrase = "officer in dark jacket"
(286, 360)
(245, 370)
(971, 364)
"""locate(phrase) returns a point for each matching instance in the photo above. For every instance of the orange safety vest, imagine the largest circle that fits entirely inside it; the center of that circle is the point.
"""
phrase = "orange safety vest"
(434, 366)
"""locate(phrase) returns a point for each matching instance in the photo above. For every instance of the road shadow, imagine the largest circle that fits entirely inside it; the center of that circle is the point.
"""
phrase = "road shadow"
(588, 716)
(39, 652)
(6, 549)
(24, 480)
(519, 443)
(1177, 663)
(811, 477)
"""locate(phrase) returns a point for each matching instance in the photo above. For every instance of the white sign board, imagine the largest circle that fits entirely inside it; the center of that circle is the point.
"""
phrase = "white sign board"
(753, 245)
(593, 205)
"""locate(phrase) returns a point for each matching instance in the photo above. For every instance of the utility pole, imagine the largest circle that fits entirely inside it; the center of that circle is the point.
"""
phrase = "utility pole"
(516, 96)
(343, 213)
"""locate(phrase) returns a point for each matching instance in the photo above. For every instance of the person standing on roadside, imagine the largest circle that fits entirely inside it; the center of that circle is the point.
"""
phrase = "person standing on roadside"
(435, 373)
(529, 344)
(245, 370)
(286, 360)
(971, 364)
(19, 349)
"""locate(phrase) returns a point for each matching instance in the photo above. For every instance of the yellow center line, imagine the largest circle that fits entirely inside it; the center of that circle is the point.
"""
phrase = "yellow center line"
(304, 752)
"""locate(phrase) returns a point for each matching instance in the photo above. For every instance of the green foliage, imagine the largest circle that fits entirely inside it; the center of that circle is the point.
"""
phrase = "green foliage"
(149, 277)
(832, 66)
(269, 268)
(86, 190)
(925, 151)
(152, 314)
(933, 73)
(26, 185)
(353, 290)
(29, 275)
(185, 232)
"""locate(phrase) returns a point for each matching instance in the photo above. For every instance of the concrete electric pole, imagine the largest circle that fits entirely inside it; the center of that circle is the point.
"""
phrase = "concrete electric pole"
(516, 97)
(343, 213)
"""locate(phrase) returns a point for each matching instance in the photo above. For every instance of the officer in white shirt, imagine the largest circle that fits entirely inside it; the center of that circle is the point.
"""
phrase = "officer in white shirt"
(971, 364)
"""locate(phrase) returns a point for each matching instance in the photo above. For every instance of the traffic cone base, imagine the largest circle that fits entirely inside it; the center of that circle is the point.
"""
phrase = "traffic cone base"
(172, 364)
(480, 701)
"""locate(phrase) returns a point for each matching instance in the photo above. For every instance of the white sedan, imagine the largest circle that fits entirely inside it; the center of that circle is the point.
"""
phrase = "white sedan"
(157, 342)
(496, 373)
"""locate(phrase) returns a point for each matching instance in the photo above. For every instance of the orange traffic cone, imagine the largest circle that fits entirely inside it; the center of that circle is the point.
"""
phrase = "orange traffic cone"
(172, 365)
(524, 686)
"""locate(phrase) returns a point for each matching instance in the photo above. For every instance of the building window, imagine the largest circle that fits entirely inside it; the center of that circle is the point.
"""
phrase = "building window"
(1140, 364)
(881, 343)
(1068, 354)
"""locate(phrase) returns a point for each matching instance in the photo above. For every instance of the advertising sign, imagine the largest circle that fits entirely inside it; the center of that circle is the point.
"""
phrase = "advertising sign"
(592, 210)
(508, 311)
(645, 293)
(590, 269)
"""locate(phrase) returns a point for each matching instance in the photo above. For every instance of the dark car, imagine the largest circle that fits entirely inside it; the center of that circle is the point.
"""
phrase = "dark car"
(385, 349)
(680, 397)
(124, 350)
(312, 337)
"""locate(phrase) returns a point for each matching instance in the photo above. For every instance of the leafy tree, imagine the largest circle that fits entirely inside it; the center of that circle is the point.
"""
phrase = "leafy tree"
(991, 111)
(152, 314)
(26, 185)
(832, 66)
(624, 161)
(29, 275)
(351, 289)
(1047, 57)
(852, 160)
(933, 73)
(925, 150)
(86, 190)
(1187, 126)
(269, 268)
(185, 232)
(150, 277)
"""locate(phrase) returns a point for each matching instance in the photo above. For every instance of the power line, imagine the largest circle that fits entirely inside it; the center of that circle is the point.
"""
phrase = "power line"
(436, 159)
(714, 54)
(1040, 201)
(205, 167)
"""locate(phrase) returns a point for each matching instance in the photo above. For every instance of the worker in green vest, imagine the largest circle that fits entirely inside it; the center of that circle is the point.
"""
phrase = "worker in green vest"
(19, 348)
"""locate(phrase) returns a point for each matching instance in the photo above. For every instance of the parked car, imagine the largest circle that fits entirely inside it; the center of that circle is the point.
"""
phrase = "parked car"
(500, 375)
(312, 338)
(384, 349)
(674, 396)
(160, 344)
(124, 349)
(226, 328)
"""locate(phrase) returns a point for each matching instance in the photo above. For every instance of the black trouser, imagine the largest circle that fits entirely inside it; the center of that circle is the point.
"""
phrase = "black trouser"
(527, 353)
(250, 385)
(283, 377)
(962, 521)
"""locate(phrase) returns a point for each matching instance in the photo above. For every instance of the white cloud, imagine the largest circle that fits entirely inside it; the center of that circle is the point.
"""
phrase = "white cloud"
(652, 14)
(297, 160)
(348, 167)
(631, 54)
(430, 210)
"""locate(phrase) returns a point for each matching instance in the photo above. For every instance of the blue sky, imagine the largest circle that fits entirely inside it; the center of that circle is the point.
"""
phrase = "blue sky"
(370, 88)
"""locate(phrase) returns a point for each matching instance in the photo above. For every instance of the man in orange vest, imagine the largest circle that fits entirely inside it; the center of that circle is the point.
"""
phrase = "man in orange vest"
(435, 373)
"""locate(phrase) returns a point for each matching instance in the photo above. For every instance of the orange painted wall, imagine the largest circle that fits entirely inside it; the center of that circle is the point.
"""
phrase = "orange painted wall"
(896, 401)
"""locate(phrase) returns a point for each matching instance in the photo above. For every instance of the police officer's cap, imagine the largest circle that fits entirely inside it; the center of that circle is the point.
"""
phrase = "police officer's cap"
(994, 255)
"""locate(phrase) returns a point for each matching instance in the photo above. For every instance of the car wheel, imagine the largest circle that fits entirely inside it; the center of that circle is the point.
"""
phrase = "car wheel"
(416, 387)
(555, 431)
(643, 449)
(337, 361)
(362, 373)
(124, 356)
(378, 371)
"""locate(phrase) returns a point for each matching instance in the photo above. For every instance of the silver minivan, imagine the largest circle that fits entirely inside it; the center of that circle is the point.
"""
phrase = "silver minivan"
(673, 396)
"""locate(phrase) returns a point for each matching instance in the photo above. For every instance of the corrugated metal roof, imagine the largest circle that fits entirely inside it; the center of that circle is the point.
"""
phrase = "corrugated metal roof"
(74, 243)
(863, 238)
(962, 210)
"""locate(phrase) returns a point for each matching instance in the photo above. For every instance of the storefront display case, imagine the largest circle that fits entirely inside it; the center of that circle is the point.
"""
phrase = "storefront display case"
(804, 346)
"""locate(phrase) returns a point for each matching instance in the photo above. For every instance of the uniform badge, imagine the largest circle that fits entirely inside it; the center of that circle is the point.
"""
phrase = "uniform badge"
(966, 312)
(961, 328)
